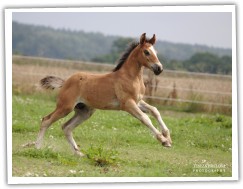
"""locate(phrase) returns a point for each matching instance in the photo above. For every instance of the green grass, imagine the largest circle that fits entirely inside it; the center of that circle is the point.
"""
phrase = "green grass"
(116, 144)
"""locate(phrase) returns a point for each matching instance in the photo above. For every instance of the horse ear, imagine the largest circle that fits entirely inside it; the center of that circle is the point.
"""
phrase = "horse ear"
(152, 40)
(142, 38)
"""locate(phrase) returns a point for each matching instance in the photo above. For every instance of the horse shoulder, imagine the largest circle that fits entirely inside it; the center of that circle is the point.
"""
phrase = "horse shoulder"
(129, 89)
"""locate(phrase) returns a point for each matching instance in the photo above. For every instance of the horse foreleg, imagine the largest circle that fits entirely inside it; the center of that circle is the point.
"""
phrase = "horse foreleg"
(155, 113)
(132, 108)
(80, 116)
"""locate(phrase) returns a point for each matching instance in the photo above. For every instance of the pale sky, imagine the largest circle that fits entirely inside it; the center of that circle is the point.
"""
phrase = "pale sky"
(212, 29)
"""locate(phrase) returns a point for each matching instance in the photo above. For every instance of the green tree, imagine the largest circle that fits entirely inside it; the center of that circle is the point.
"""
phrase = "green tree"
(202, 62)
(209, 63)
(226, 65)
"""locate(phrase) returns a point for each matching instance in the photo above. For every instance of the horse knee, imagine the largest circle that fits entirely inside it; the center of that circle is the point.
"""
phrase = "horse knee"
(155, 112)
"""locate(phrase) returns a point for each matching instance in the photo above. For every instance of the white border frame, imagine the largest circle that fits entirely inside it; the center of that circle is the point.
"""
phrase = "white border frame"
(8, 62)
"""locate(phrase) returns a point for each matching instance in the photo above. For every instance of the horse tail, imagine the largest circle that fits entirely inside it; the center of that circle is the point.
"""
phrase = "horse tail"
(51, 82)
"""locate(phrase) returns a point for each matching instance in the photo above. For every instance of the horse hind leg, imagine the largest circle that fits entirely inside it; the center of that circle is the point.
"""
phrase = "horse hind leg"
(82, 113)
(48, 120)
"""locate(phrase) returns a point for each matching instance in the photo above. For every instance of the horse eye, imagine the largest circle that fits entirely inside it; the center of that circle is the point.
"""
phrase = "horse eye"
(146, 52)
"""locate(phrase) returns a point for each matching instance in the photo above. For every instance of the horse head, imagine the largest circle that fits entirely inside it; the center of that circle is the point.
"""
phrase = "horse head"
(148, 55)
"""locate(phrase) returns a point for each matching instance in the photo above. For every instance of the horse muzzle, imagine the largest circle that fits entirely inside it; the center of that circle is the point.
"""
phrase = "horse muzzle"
(157, 68)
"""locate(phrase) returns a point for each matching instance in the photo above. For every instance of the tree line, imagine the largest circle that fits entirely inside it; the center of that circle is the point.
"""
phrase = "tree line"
(43, 41)
(199, 62)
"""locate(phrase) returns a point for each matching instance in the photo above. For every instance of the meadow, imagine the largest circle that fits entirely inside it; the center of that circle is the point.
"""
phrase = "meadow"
(115, 143)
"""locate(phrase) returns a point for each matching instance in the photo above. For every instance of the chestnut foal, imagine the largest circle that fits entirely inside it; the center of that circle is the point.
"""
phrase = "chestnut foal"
(122, 89)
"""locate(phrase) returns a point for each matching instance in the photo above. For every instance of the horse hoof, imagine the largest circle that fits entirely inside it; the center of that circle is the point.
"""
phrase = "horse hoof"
(166, 144)
(79, 154)
(29, 144)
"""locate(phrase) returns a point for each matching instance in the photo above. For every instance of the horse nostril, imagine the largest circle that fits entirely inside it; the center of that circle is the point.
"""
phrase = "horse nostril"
(159, 69)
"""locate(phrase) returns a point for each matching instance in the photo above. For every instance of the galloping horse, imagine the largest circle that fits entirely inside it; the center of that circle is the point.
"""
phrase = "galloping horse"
(122, 89)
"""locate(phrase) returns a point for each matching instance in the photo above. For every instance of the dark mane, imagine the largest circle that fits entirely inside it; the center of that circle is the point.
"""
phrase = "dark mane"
(125, 55)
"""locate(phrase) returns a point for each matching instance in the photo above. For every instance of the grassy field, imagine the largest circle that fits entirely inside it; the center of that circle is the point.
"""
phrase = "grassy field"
(117, 144)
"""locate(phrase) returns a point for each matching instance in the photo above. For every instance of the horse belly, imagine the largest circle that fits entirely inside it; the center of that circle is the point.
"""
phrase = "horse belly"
(113, 105)
(102, 103)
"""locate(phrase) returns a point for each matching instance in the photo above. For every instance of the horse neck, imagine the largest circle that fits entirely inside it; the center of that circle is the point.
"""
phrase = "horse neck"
(132, 68)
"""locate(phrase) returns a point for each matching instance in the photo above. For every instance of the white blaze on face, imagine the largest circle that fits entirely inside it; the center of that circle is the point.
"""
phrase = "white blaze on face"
(153, 50)
(155, 54)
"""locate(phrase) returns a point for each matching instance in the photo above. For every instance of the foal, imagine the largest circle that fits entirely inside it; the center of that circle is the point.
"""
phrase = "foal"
(122, 89)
